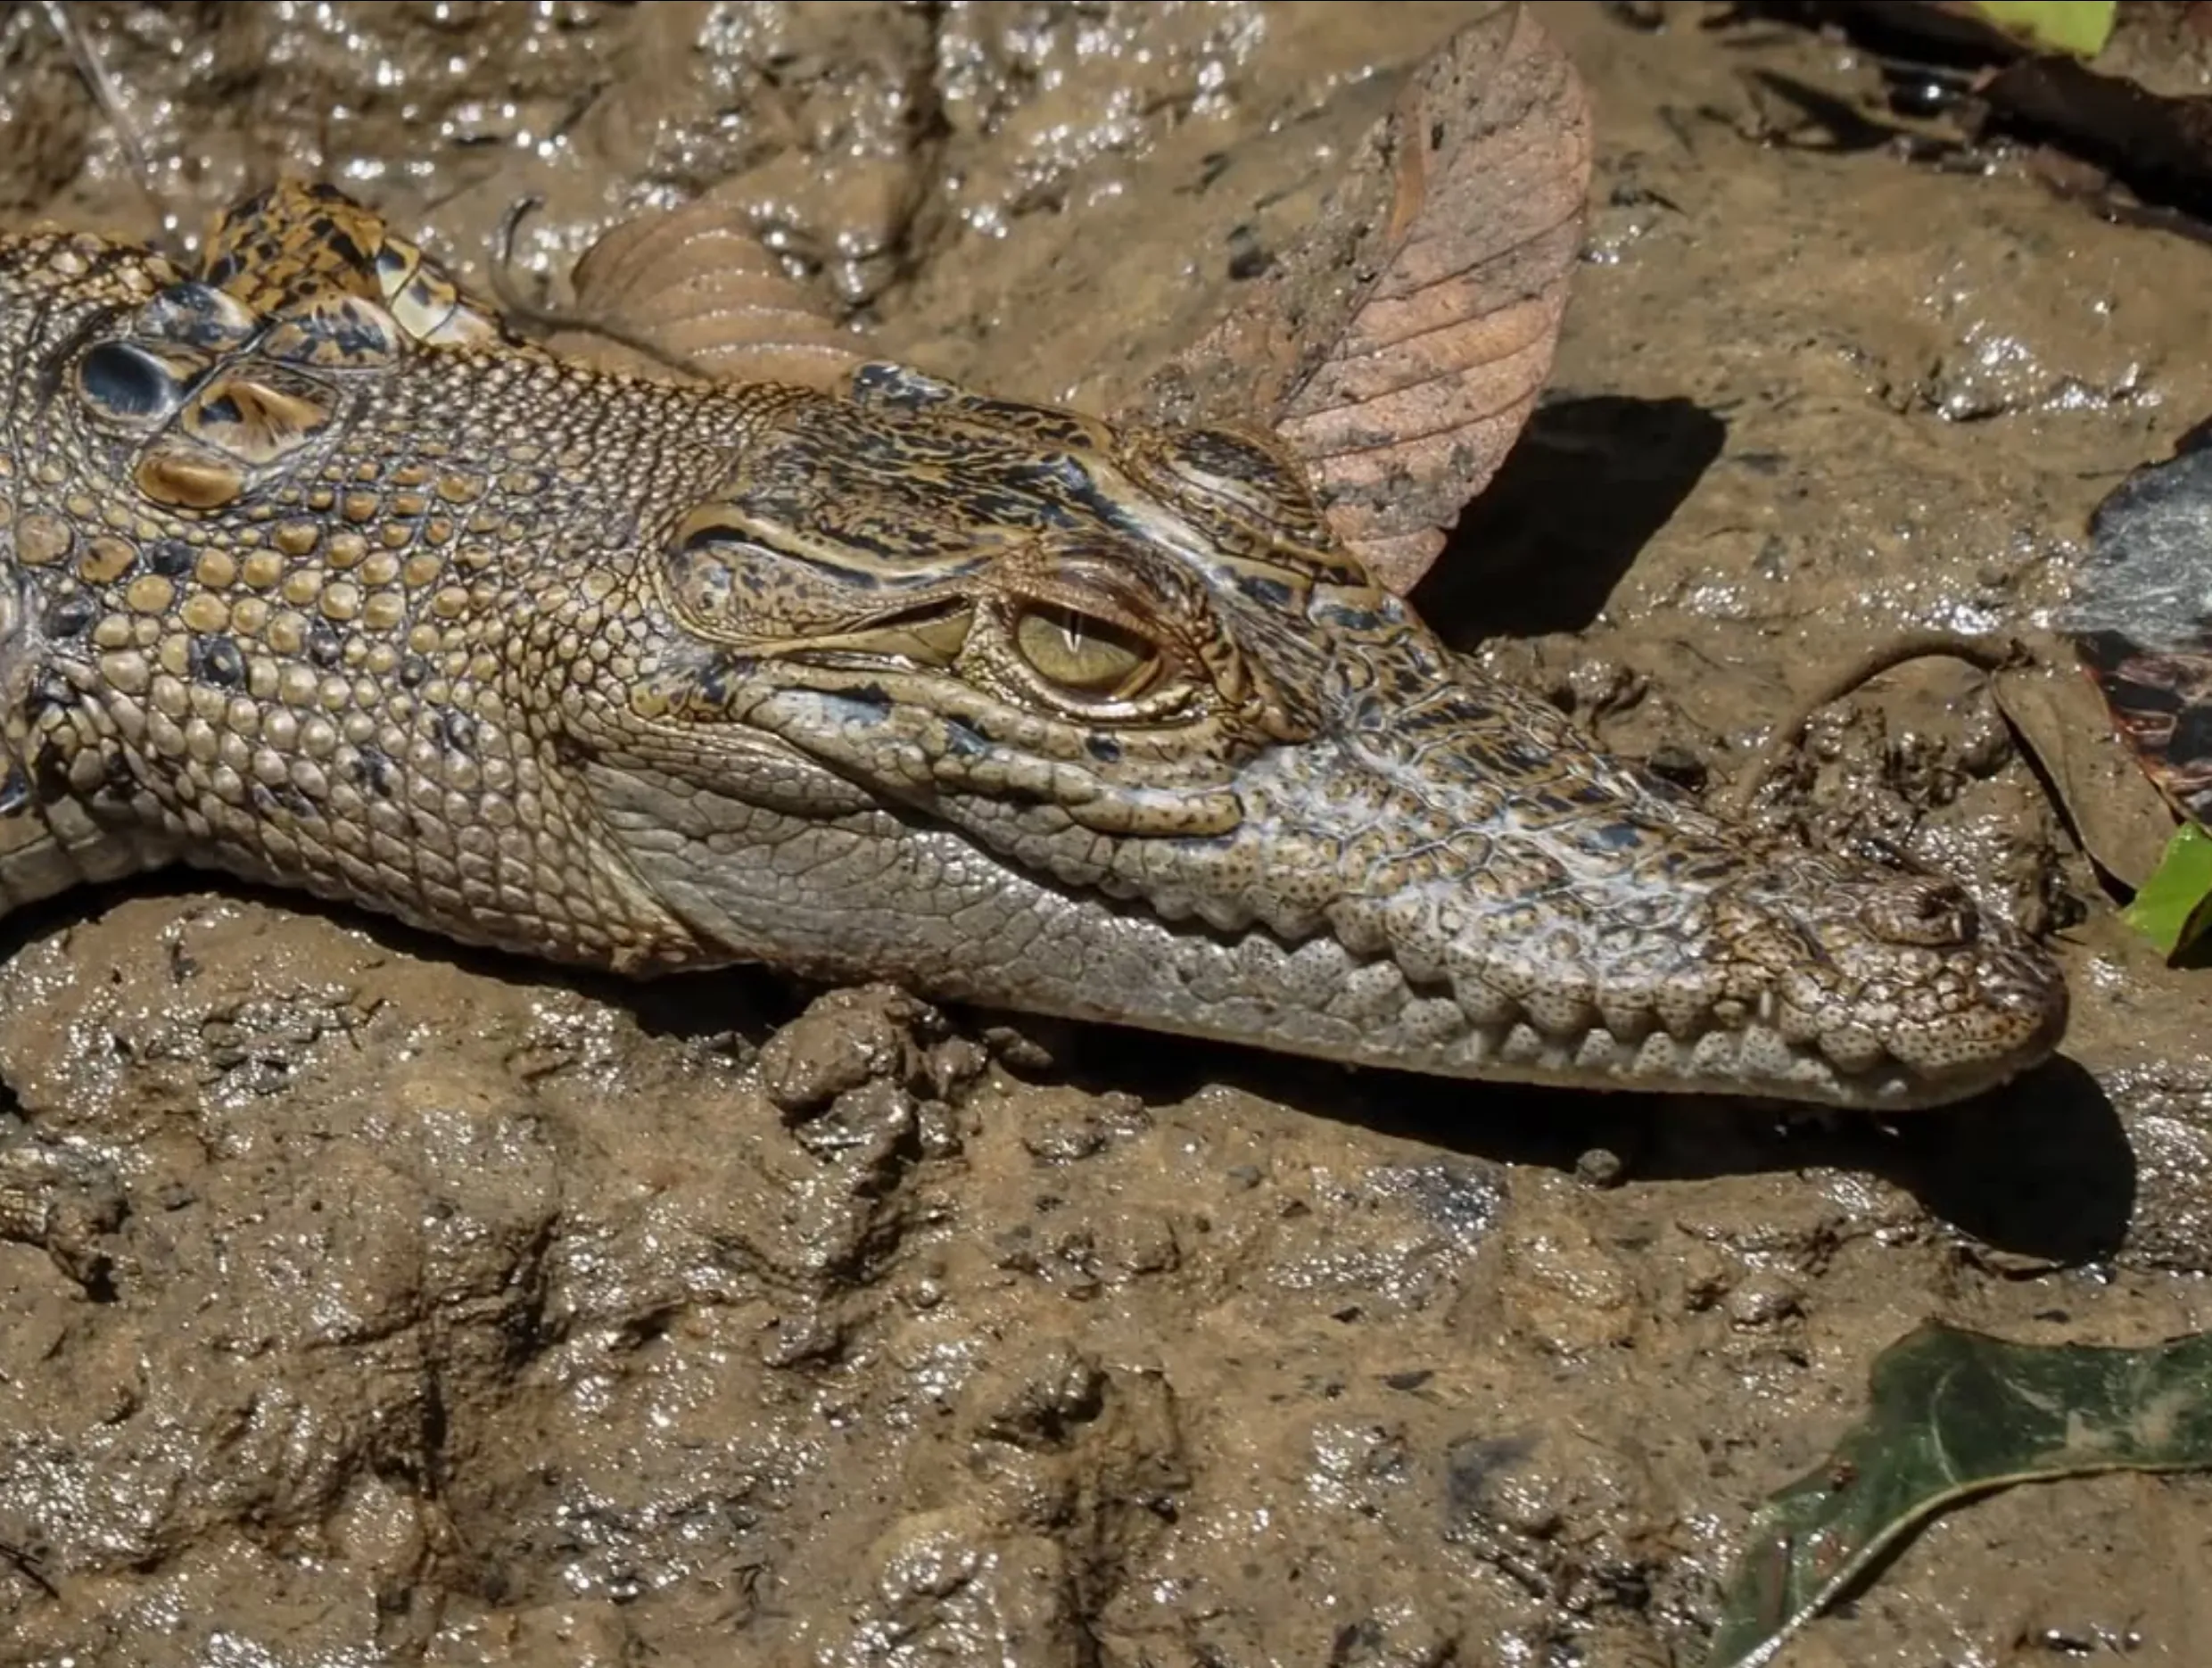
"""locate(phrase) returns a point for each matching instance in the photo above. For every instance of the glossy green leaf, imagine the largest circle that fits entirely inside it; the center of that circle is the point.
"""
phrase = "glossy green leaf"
(1955, 1414)
(2173, 907)
(2080, 26)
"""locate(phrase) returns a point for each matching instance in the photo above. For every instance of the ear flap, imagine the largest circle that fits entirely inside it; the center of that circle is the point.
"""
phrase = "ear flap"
(735, 576)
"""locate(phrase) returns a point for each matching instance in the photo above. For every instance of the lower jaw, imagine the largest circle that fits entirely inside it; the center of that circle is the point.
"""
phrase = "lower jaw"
(1753, 1061)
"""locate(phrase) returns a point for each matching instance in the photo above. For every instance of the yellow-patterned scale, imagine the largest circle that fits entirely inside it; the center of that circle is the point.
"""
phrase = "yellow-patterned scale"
(303, 239)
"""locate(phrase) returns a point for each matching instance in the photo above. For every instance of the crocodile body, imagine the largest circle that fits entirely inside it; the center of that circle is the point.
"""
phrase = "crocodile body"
(314, 577)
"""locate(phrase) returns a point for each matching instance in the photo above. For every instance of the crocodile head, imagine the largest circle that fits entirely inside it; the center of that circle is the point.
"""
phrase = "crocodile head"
(1102, 721)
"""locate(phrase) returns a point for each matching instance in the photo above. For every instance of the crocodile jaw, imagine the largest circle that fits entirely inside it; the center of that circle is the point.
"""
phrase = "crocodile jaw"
(864, 891)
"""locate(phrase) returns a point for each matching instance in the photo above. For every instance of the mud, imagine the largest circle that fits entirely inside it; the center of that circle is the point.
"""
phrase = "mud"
(369, 1300)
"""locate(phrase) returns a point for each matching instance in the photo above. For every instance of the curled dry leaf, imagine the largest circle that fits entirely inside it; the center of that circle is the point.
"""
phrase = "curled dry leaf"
(2119, 816)
(1403, 398)
(1423, 395)
(695, 285)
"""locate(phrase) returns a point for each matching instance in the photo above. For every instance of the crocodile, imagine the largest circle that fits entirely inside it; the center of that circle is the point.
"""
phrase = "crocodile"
(317, 574)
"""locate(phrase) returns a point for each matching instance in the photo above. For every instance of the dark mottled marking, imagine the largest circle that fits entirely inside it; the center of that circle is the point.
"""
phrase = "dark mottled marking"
(347, 251)
(325, 647)
(48, 692)
(286, 797)
(214, 658)
(963, 742)
(1103, 748)
(172, 559)
(14, 792)
(49, 771)
(414, 671)
(72, 615)
(881, 383)
(456, 730)
(126, 381)
(195, 313)
(373, 770)
(358, 338)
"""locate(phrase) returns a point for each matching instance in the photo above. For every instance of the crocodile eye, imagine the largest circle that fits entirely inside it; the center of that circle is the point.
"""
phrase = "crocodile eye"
(1086, 655)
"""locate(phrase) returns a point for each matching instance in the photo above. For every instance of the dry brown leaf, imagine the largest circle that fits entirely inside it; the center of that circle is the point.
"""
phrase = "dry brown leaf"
(696, 283)
(2122, 821)
(1429, 384)
(1405, 412)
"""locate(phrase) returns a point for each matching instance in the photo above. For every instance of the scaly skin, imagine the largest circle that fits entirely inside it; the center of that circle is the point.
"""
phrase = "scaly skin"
(316, 578)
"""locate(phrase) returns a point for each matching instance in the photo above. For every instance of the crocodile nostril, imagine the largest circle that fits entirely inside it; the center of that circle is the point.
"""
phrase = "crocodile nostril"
(1936, 914)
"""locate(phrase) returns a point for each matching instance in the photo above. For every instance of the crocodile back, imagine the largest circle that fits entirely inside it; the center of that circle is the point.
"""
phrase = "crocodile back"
(297, 595)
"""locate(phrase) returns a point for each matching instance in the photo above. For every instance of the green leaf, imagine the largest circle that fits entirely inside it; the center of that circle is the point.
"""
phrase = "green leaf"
(2080, 26)
(2175, 906)
(1956, 1413)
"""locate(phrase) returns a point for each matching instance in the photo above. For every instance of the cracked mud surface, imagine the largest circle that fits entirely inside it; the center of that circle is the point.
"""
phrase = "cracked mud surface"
(367, 1301)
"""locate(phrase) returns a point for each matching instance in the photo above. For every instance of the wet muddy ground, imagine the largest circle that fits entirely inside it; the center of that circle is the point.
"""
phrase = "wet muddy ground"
(437, 1307)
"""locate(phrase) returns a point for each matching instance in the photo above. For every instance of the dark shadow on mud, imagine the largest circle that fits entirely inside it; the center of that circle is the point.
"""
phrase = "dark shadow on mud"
(2039, 1168)
(2042, 1168)
(1584, 489)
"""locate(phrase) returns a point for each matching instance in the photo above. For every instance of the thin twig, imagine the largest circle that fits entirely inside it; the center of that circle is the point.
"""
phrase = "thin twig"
(26, 1566)
(1991, 654)
(110, 99)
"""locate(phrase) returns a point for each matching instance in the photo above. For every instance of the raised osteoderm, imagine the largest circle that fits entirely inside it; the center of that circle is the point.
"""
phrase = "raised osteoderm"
(315, 576)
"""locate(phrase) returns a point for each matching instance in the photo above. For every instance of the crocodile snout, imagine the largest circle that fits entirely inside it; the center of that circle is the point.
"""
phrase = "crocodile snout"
(1911, 971)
